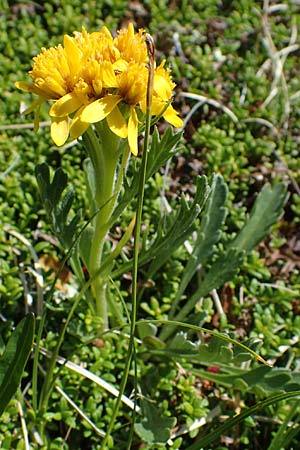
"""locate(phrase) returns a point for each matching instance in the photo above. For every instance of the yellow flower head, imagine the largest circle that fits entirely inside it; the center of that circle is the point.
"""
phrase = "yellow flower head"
(131, 45)
(50, 74)
(90, 75)
(96, 46)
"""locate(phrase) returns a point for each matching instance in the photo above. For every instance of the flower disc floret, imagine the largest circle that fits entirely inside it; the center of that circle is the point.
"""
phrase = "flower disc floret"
(131, 45)
(132, 84)
(51, 73)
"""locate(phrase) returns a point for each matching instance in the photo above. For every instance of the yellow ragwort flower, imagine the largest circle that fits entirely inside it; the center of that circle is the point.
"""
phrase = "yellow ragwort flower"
(93, 77)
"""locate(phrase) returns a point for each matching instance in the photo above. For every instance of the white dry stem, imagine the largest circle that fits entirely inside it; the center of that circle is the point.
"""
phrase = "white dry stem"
(27, 295)
(198, 423)
(69, 145)
(178, 47)
(30, 125)
(91, 376)
(275, 8)
(80, 412)
(263, 122)
(290, 361)
(241, 295)
(12, 166)
(295, 96)
(37, 272)
(276, 61)
(281, 288)
(217, 302)
(202, 99)
(283, 348)
(191, 112)
(243, 94)
(24, 426)
(112, 390)
(37, 438)
(23, 126)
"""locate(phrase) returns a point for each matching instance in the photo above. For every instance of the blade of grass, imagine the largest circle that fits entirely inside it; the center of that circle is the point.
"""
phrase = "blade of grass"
(213, 435)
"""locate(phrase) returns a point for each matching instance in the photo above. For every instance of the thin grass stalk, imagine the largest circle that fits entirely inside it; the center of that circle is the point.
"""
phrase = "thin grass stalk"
(279, 439)
(175, 324)
(36, 362)
(134, 412)
(137, 232)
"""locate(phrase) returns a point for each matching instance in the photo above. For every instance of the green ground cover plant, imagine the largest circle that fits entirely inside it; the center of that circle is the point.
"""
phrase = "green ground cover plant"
(198, 344)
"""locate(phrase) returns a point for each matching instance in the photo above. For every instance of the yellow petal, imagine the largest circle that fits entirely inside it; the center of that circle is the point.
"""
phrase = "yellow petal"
(130, 30)
(120, 65)
(133, 124)
(60, 130)
(29, 87)
(117, 124)
(106, 32)
(108, 74)
(77, 127)
(65, 105)
(158, 106)
(162, 87)
(24, 86)
(73, 55)
(171, 116)
(99, 109)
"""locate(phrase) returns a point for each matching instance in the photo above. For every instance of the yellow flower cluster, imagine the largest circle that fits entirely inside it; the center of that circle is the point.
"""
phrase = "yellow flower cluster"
(94, 76)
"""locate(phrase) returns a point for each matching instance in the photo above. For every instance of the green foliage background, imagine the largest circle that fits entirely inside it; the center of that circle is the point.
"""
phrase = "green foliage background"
(223, 50)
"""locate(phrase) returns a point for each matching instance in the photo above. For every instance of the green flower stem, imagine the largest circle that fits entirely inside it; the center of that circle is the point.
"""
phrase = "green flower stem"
(104, 152)
(137, 232)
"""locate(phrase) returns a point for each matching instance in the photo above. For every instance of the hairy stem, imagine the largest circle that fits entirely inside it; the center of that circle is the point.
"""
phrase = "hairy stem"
(103, 150)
